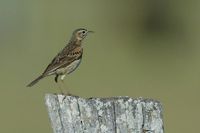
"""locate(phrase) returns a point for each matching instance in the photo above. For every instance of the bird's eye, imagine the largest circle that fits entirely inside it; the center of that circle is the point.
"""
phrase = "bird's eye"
(83, 32)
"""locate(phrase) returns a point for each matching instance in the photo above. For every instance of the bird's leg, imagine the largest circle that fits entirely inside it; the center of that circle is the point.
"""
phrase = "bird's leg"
(67, 93)
(62, 80)
(56, 80)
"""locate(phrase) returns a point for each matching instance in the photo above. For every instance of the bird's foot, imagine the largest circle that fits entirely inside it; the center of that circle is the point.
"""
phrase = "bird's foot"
(68, 94)
(147, 131)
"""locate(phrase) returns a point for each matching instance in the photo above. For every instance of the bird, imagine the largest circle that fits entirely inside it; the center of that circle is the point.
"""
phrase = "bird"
(67, 60)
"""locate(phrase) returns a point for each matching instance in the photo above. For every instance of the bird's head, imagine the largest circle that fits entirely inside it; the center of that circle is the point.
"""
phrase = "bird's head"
(80, 34)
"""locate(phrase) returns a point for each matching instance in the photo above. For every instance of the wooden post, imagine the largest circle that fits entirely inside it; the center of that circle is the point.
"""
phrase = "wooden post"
(104, 115)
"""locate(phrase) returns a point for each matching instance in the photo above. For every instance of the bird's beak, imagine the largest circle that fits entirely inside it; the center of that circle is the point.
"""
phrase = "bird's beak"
(90, 31)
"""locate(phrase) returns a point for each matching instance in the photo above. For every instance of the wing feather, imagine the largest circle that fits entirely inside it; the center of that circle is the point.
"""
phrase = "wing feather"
(69, 54)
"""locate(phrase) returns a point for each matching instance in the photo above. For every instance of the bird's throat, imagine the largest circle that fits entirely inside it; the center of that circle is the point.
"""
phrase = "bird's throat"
(78, 42)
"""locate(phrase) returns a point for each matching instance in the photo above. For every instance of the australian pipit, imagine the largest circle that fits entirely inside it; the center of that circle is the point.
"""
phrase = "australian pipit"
(67, 60)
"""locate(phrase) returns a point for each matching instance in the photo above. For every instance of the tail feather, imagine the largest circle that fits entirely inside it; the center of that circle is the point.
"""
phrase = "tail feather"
(35, 81)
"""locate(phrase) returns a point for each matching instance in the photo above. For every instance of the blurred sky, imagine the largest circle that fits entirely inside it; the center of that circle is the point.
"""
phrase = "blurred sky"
(140, 48)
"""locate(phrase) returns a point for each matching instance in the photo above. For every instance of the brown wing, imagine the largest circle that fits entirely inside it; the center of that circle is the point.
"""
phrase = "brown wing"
(69, 54)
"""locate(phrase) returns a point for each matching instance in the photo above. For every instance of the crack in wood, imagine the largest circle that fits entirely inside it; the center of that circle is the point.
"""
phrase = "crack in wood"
(104, 115)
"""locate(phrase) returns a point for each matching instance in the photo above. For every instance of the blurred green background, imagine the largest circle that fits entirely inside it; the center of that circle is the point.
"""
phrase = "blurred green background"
(140, 48)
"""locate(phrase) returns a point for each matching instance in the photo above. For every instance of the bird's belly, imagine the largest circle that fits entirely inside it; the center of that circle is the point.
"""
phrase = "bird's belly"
(71, 67)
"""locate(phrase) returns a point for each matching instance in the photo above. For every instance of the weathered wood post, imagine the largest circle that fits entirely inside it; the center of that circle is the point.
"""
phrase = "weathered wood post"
(104, 115)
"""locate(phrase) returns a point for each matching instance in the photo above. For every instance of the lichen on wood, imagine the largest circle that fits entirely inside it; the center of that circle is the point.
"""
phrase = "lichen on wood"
(73, 114)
